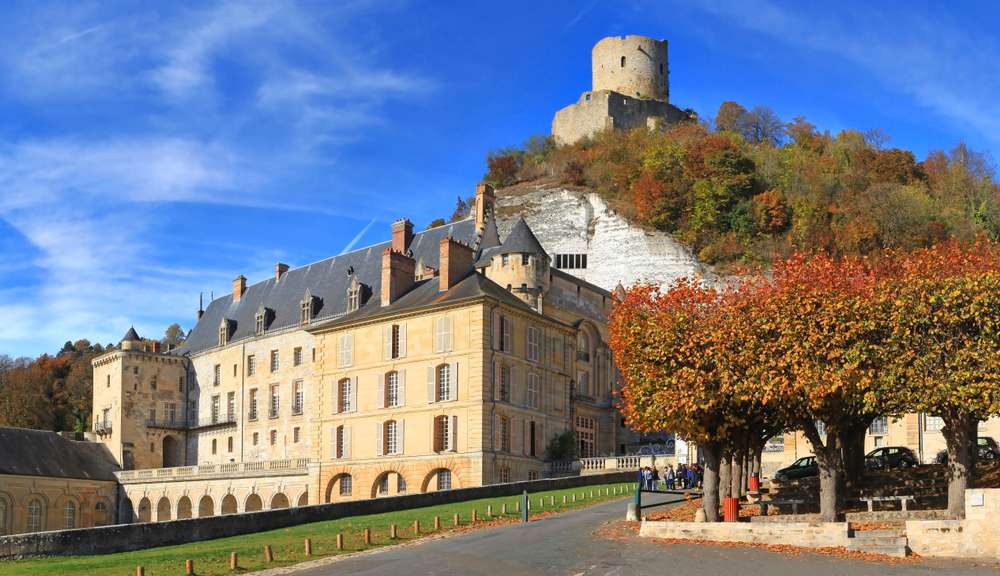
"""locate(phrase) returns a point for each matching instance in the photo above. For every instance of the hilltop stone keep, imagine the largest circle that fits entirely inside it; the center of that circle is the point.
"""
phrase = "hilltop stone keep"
(630, 89)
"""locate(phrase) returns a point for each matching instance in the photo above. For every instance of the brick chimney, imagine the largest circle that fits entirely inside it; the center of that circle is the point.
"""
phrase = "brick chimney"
(279, 270)
(455, 262)
(239, 287)
(402, 234)
(397, 274)
(485, 198)
(154, 346)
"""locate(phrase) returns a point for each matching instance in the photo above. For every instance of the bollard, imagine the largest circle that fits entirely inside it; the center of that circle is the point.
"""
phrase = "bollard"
(416, 527)
(552, 500)
(489, 510)
(189, 567)
(591, 493)
(632, 513)
(456, 520)
(268, 555)
(517, 506)
(392, 531)
(140, 571)
(524, 509)
(503, 508)
(340, 541)
(541, 503)
(234, 561)
(437, 523)
(574, 497)
(474, 516)
(368, 536)
(309, 547)
(564, 498)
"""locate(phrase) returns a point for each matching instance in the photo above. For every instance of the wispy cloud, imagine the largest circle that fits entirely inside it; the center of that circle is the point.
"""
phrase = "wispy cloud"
(357, 237)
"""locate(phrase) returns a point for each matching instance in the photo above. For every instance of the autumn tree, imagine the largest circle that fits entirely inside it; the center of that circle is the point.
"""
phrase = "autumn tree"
(730, 117)
(173, 336)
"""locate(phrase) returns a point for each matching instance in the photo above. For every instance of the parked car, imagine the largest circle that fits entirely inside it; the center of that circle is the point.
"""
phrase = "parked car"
(986, 450)
(891, 457)
(804, 467)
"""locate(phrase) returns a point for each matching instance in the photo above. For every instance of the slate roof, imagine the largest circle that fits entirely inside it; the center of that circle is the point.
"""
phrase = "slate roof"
(327, 280)
(25, 452)
(520, 240)
(131, 336)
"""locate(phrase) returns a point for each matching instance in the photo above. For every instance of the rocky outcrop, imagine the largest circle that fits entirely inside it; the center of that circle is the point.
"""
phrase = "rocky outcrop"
(578, 222)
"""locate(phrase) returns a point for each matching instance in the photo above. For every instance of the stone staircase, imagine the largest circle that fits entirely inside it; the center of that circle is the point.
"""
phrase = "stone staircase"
(887, 542)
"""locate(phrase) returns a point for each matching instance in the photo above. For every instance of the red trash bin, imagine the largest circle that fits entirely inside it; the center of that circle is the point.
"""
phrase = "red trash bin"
(754, 482)
(730, 509)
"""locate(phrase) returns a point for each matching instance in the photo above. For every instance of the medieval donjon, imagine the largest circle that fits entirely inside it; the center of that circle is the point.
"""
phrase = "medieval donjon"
(630, 89)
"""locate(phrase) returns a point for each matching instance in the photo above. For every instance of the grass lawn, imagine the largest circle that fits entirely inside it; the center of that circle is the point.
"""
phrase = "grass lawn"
(211, 557)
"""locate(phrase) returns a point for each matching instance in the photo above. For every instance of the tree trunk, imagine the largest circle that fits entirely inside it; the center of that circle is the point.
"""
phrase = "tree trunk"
(745, 479)
(957, 433)
(829, 459)
(758, 451)
(853, 448)
(725, 476)
(737, 474)
(710, 499)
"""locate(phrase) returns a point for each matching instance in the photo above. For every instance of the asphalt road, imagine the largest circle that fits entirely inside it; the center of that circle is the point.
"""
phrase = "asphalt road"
(566, 545)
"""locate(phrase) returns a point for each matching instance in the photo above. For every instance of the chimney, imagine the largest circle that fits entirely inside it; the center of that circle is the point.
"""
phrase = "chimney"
(402, 234)
(279, 270)
(485, 197)
(154, 346)
(239, 287)
(455, 262)
(397, 275)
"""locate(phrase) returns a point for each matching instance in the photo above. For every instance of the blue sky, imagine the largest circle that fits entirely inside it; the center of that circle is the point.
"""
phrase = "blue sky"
(149, 153)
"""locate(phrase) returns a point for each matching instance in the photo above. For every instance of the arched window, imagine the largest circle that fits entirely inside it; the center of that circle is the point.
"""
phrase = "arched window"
(3, 516)
(69, 515)
(444, 479)
(35, 515)
(623, 61)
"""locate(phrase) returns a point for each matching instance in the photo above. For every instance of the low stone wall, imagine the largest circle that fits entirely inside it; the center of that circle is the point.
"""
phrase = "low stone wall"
(125, 537)
(804, 534)
(978, 536)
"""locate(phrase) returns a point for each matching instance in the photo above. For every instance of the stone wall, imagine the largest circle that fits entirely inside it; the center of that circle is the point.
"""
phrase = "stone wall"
(632, 65)
(607, 110)
(125, 537)
(978, 536)
(807, 535)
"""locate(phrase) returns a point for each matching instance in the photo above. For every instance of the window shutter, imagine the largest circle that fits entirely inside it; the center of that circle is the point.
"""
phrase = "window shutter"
(386, 342)
(525, 445)
(354, 394)
(336, 397)
(453, 389)
(333, 444)
(496, 380)
(381, 390)
(401, 379)
(454, 434)
(402, 340)
(430, 384)
(508, 342)
(496, 330)
(347, 441)
(350, 349)
(400, 428)
(447, 334)
(437, 335)
(434, 434)
(379, 443)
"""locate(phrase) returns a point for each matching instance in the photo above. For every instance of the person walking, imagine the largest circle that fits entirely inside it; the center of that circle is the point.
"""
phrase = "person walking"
(668, 477)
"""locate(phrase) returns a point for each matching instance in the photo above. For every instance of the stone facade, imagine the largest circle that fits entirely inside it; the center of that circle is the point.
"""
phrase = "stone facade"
(40, 503)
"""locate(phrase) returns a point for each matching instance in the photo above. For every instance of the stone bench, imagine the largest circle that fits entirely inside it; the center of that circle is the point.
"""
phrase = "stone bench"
(871, 500)
(790, 502)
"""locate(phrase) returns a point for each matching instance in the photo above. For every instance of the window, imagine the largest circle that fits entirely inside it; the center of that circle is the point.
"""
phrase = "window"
(235, 368)
(109, 381)
(346, 485)
(313, 354)
(295, 435)
(69, 515)
(340, 442)
(623, 61)
(180, 384)
(259, 318)
(879, 426)
(586, 434)
(533, 343)
(504, 474)
(504, 260)
(224, 333)
(395, 341)
(251, 365)
(444, 479)
(256, 438)
(229, 444)
(231, 407)
(106, 417)
(275, 401)
(400, 483)
(216, 400)
(354, 298)
(531, 438)
(152, 382)
(217, 375)
(344, 394)
(274, 360)
(346, 350)
(502, 333)
(306, 310)
(571, 261)
(525, 259)
(505, 383)
(583, 383)
(933, 423)
(504, 434)
(391, 399)
(391, 440)
(444, 433)
(442, 383)
(297, 356)
(253, 404)
(298, 397)
(215, 446)
(533, 392)
(274, 437)
(442, 334)
(172, 412)
(34, 516)
(383, 485)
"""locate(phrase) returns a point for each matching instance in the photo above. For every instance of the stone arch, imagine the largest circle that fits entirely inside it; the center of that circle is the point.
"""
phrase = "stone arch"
(171, 452)
(68, 513)
(229, 505)
(102, 512)
(389, 483)
(206, 507)
(279, 501)
(430, 482)
(184, 508)
(253, 503)
(340, 486)
(36, 511)
(145, 510)
(303, 499)
(6, 514)
(163, 509)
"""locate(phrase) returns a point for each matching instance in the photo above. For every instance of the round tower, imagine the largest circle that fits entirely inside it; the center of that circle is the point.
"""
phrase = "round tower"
(631, 65)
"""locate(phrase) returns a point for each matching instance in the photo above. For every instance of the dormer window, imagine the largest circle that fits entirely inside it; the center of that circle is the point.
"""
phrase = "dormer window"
(224, 332)
(262, 320)
(357, 294)
(307, 308)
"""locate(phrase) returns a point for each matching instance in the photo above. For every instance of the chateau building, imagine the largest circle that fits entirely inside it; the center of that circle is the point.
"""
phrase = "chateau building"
(435, 360)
